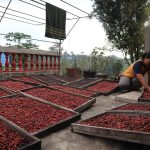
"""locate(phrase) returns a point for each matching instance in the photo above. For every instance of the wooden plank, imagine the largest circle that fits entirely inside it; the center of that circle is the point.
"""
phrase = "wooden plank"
(34, 144)
(57, 78)
(64, 78)
(14, 91)
(31, 76)
(19, 80)
(81, 108)
(5, 89)
(86, 105)
(141, 99)
(101, 92)
(16, 80)
(130, 97)
(73, 81)
(127, 136)
(46, 102)
(56, 126)
(94, 95)
(84, 85)
(117, 134)
(39, 79)
(90, 84)
(129, 111)
(75, 94)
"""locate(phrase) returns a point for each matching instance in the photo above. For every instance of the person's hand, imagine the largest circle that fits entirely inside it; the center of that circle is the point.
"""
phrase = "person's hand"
(148, 89)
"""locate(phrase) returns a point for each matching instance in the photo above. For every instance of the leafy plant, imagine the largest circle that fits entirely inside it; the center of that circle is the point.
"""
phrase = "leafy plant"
(15, 40)
(123, 21)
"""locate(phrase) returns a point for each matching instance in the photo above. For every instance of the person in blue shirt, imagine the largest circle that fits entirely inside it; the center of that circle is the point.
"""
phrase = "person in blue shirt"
(133, 77)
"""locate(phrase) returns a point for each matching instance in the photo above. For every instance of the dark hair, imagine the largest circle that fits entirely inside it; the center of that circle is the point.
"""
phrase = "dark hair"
(146, 55)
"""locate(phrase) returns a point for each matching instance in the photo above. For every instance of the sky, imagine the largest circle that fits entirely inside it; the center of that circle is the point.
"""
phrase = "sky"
(86, 35)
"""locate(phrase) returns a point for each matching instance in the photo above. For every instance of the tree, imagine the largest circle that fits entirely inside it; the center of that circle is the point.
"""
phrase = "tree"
(16, 40)
(117, 67)
(96, 58)
(98, 61)
(148, 13)
(110, 65)
(123, 21)
(56, 47)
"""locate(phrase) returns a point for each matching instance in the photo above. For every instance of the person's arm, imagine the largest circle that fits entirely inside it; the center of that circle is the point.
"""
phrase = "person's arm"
(143, 82)
(137, 70)
(148, 77)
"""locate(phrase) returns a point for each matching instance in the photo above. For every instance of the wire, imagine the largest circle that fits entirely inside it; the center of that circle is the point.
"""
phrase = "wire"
(71, 6)
(31, 4)
(74, 7)
(40, 23)
(19, 20)
(77, 18)
(23, 13)
(22, 17)
(5, 10)
(37, 2)
(36, 16)
(43, 41)
(42, 1)
(44, 5)
(36, 39)
(32, 15)
(73, 27)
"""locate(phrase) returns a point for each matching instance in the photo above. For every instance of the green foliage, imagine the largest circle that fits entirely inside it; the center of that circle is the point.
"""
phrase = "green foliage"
(97, 61)
(15, 40)
(29, 45)
(65, 62)
(109, 65)
(96, 58)
(148, 11)
(117, 67)
(83, 62)
(75, 63)
(123, 21)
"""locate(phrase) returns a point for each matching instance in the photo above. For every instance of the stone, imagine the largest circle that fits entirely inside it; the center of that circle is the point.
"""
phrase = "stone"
(130, 97)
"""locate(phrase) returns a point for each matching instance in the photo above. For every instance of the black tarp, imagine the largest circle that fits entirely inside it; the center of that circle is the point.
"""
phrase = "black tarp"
(55, 22)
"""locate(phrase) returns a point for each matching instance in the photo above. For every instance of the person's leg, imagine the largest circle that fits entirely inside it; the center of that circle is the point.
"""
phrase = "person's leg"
(125, 83)
(135, 84)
